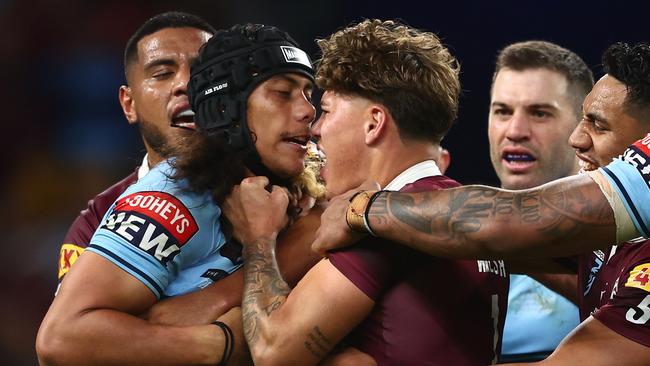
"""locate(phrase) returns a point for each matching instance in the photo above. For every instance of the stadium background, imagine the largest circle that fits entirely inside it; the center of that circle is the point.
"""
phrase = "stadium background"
(65, 138)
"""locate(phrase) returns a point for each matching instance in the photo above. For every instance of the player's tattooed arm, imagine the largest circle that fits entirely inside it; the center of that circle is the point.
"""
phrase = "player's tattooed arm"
(264, 289)
(562, 218)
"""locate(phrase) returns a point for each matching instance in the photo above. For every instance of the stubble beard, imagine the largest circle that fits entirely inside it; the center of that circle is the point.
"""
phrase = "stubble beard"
(153, 137)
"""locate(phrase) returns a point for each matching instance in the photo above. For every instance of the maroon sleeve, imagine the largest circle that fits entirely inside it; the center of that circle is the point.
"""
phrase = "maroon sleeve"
(84, 226)
(371, 265)
(628, 310)
(367, 265)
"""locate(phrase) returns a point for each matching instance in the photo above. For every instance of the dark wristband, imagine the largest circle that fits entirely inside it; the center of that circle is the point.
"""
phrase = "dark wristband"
(229, 341)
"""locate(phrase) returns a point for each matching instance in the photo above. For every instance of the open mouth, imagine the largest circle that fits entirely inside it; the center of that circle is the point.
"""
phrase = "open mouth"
(587, 166)
(301, 140)
(518, 158)
(185, 120)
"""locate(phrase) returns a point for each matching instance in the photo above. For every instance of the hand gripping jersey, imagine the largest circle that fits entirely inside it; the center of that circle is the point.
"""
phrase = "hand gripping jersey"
(428, 310)
(166, 236)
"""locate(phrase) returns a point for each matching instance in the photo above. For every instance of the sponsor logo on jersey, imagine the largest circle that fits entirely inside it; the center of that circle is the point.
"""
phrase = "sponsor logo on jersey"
(156, 222)
(68, 255)
(214, 274)
(640, 277)
(496, 267)
(638, 155)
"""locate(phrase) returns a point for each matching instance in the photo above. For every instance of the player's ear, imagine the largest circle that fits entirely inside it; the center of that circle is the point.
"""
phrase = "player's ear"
(444, 159)
(128, 104)
(376, 123)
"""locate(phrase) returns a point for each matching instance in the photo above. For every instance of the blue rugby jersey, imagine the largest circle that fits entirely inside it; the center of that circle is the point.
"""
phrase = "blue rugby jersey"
(166, 236)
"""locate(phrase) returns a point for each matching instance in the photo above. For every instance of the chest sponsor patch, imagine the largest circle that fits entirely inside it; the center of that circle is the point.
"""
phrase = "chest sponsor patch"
(68, 256)
(640, 277)
(156, 222)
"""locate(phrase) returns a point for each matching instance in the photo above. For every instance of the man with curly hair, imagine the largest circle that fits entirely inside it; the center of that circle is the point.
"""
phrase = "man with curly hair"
(390, 95)
(585, 214)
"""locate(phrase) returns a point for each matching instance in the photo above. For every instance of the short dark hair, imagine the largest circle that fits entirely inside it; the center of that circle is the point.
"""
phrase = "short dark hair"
(527, 55)
(171, 19)
(631, 66)
(407, 70)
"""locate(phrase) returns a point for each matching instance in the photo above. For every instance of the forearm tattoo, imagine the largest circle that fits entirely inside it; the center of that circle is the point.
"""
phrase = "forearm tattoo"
(460, 214)
(264, 289)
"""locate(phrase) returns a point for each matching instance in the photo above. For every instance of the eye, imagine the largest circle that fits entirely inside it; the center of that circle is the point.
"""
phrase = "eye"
(162, 75)
(540, 114)
(599, 127)
(284, 93)
(501, 112)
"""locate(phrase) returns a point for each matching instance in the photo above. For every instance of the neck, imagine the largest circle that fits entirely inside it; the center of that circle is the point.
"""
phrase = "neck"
(153, 158)
(386, 164)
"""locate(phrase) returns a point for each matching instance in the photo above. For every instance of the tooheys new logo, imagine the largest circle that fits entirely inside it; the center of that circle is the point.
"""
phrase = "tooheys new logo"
(156, 222)
(638, 155)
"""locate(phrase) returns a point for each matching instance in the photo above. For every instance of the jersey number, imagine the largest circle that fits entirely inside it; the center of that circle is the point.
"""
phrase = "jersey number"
(639, 314)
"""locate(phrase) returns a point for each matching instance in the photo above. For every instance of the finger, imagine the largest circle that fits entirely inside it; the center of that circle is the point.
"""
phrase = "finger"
(316, 245)
(232, 197)
(280, 196)
(257, 181)
(369, 185)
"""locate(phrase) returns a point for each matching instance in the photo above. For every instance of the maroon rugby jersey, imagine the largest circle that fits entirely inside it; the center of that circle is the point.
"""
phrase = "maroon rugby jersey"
(84, 226)
(615, 286)
(428, 310)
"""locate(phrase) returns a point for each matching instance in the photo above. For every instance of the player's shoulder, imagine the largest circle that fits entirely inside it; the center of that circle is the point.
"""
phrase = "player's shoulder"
(430, 183)
(160, 185)
(111, 193)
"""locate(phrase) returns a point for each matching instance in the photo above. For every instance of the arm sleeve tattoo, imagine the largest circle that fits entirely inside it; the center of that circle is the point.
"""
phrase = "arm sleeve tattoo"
(264, 288)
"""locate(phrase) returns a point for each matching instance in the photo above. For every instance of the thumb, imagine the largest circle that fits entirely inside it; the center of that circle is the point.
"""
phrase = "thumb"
(369, 185)
(279, 196)
(257, 181)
